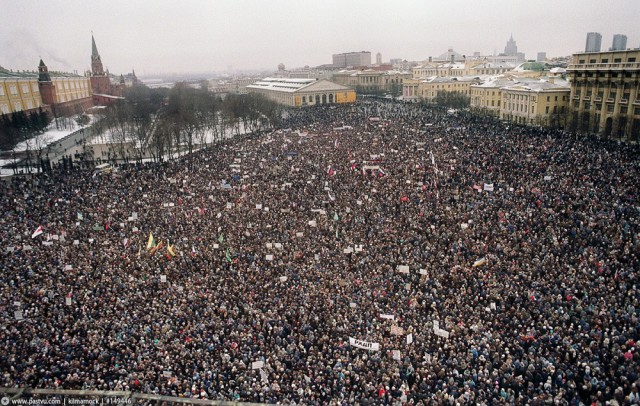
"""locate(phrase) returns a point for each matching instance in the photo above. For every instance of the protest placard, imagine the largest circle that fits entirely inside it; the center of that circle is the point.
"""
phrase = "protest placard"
(257, 364)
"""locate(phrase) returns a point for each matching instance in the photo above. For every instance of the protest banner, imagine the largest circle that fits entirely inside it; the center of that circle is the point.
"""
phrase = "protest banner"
(365, 345)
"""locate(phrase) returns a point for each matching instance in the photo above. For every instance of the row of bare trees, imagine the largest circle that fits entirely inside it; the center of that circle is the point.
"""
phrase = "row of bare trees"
(166, 123)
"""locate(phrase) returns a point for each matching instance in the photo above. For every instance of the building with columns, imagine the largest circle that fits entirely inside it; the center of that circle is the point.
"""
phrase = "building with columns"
(303, 92)
(372, 81)
(605, 96)
(486, 97)
(543, 103)
(427, 89)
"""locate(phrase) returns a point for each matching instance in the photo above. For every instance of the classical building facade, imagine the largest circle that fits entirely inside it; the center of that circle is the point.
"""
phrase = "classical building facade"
(486, 97)
(302, 92)
(458, 69)
(536, 103)
(428, 89)
(372, 81)
(19, 92)
(57, 92)
(66, 94)
(605, 96)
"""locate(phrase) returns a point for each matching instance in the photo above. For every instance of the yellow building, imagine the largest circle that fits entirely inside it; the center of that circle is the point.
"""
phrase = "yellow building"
(26, 91)
(302, 92)
(536, 103)
(428, 89)
(18, 92)
(70, 88)
(410, 89)
(486, 98)
(372, 81)
(605, 94)
(460, 69)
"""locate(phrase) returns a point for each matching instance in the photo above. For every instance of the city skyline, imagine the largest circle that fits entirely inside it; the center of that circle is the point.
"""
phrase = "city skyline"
(160, 37)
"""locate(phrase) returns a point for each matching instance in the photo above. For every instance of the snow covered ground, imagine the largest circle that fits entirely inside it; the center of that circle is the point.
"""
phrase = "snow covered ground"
(52, 135)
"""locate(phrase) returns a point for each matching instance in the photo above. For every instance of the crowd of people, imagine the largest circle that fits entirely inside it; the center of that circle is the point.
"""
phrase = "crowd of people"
(377, 253)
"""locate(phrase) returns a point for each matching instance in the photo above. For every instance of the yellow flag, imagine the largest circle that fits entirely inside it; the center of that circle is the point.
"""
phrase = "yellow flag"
(150, 243)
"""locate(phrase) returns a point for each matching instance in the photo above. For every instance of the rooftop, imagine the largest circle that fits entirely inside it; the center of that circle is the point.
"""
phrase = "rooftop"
(5, 74)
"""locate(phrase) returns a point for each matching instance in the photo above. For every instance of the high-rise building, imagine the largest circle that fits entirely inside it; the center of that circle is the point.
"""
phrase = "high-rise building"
(594, 40)
(619, 43)
(362, 58)
(542, 56)
(511, 49)
(379, 58)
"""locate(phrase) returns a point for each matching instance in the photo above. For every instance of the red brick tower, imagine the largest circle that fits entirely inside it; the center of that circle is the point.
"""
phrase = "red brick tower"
(47, 89)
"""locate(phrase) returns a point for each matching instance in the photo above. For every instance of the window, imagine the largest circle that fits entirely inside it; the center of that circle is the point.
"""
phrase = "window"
(4, 109)
(610, 108)
(25, 88)
(581, 61)
(34, 87)
(592, 61)
(605, 60)
(548, 98)
(617, 60)
(636, 111)
(546, 110)
(18, 106)
(13, 89)
(29, 105)
(632, 59)
(1, 90)
(557, 96)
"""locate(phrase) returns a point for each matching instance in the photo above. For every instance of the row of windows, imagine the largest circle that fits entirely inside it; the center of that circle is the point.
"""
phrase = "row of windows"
(17, 106)
(606, 60)
(604, 74)
(26, 89)
(609, 106)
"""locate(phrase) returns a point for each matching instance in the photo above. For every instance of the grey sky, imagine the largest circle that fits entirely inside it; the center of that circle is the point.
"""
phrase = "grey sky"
(158, 36)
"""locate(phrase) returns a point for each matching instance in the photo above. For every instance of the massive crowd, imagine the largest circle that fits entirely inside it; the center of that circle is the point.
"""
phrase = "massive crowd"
(476, 262)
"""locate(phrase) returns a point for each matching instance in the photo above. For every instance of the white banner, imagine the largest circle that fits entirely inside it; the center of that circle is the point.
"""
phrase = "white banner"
(365, 345)
(387, 316)
(441, 333)
(403, 268)
(409, 339)
(488, 187)
(257, 364)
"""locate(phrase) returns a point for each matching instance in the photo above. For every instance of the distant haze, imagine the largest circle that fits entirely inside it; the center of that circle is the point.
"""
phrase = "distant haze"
(170, 36)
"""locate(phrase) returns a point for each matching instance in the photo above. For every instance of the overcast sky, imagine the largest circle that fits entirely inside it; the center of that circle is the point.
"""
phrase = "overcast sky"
(162, 36)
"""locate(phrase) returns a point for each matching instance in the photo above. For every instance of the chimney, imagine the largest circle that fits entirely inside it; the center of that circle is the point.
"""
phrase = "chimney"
(430, 59)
